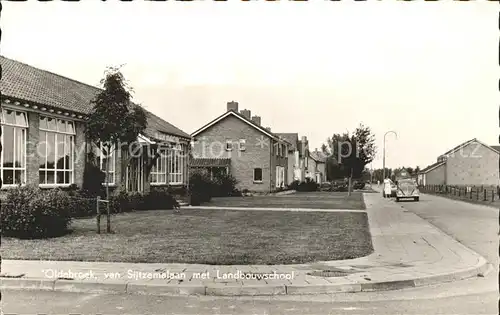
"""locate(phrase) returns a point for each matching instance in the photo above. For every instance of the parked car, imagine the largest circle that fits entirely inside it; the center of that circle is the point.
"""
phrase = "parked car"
(326, 186)
(339, 186)
(358, 185)
(407, 189)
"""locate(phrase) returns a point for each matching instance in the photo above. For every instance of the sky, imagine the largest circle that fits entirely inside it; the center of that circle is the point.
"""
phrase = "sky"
(428, 71)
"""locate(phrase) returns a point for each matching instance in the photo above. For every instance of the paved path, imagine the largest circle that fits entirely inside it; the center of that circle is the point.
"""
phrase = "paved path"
(408, 252)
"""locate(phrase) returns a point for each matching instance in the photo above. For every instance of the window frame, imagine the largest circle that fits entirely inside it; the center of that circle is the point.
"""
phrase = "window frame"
(261, 175)
(244, 142)
(67, 134)
(229, 145)
(163, 158)
(23, 128)
(177, 161)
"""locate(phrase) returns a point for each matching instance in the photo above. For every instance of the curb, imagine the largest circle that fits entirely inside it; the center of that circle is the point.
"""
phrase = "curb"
(482, 267)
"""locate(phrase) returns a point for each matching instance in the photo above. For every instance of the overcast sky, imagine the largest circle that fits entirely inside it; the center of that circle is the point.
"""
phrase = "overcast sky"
(428, 71)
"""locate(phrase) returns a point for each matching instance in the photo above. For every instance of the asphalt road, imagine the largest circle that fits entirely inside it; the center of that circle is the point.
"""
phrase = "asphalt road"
(474, 226)
(24, 302)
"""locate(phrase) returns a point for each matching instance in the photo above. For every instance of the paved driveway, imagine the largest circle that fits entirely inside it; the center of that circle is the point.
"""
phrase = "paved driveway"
(311, 200)
(475, 226)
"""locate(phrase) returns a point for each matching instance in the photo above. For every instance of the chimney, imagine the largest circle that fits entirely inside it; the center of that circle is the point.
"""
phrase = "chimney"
(268, 129)
(256, 119)
(232, 106)
(246, 113)
(304, 139)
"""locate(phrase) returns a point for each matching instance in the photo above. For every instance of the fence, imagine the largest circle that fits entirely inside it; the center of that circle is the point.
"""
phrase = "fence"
(483, 194)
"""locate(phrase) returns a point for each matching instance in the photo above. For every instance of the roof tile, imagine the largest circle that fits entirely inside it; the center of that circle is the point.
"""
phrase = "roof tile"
(25, 82)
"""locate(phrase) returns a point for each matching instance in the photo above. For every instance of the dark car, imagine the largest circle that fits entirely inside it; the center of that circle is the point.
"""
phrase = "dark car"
(358, 185)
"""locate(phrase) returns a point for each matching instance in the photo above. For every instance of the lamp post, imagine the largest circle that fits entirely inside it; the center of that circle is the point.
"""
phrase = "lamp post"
(383, 159)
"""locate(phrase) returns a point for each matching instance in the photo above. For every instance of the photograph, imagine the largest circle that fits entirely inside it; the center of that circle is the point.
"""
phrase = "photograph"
(249, 157)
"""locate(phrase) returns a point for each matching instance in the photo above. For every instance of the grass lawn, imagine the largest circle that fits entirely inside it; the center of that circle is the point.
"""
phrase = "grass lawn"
(313, 200)
(207, 236)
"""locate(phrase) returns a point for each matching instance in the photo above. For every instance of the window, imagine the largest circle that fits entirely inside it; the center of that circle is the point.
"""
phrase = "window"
(242, 145)
(159, 170)
(104, 157)
(176, 166)
(13, 157)
(57, 141)
(257, 175)
(229, 145)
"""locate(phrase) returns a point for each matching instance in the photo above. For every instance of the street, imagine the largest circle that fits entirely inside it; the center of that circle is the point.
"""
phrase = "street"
(474, 226)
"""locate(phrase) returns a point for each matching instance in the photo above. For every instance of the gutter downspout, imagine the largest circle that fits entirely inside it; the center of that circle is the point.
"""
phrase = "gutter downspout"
(271, 166)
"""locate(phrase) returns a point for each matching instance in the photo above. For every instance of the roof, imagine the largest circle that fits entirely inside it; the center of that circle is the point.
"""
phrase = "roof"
(24, 82)
(431, 167)
(318, 156)
(210, 162)
(495, 147)
(292, 138)
(466, 143)
(242, 118)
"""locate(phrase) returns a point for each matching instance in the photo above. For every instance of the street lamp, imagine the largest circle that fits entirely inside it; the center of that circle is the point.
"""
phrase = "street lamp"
(383, 167)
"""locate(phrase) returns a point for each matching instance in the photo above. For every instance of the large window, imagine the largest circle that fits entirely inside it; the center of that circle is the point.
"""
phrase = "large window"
(56, 149)
(169, 165)
(176, 166)
(159, 169)
(13, 157)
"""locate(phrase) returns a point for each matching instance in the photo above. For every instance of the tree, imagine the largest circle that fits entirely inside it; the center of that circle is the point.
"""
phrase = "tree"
(114, 119)
(349, 154)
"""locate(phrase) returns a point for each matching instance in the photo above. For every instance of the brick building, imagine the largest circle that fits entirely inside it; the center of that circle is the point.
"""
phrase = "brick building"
(471, 163)
(316, 168)
(298, 156)
(237, 142)
(43, 122)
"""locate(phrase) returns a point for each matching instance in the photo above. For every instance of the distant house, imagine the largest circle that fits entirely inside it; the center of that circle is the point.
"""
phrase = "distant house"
(470, 163)
(298, 154)
(43, 136)
(238, 143)
(316, 169)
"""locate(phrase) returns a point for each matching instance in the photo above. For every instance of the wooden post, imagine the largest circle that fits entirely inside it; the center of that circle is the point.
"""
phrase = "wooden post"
(108, 218)
(98, 216)
(458, 191)
(471, 193)
(477, 193)
(484, 194)
(492, 195)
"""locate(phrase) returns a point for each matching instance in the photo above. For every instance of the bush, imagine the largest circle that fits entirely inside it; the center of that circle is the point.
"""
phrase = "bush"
(294, 185)
(32, 213)
(159, 198)
(201, 188)
(307, 185)
(224, 185)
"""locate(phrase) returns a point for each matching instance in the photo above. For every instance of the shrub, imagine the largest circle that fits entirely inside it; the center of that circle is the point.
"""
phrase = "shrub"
(159, 198)
(34, 213)
(308, 185)
(201, 188)
(294, 185)
(224, 185)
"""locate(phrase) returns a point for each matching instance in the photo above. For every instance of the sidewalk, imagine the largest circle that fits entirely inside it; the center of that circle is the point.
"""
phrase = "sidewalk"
(408, 252)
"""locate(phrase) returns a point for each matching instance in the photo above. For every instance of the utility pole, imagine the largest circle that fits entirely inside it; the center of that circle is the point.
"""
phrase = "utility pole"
(383, 159)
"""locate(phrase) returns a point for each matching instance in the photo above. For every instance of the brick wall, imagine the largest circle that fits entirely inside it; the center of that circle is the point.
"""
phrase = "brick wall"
(80, 153)
(436, 176)
(32, 156)
(475, 164)
(211, 144)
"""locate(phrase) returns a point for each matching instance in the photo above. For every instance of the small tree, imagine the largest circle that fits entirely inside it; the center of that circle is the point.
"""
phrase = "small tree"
(114, 120)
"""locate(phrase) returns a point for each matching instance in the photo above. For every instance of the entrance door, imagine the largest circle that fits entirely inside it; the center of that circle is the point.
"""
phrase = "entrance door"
(135, 175)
